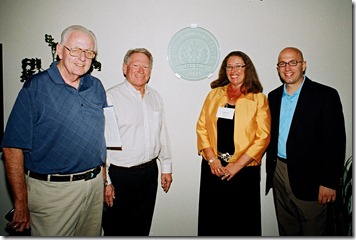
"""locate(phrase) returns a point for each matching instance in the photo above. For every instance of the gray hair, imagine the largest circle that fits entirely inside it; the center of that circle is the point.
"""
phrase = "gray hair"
(77, 28)
(138, 50)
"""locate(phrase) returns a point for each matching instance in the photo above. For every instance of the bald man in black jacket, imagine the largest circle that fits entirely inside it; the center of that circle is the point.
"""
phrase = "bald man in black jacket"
(307, 150)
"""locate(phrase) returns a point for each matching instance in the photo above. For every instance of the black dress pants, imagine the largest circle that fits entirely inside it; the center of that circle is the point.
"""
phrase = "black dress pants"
(135, 197)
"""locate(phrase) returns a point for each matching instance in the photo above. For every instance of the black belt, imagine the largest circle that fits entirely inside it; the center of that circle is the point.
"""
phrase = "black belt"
(141, 166)
(90, 174)
(282, 159)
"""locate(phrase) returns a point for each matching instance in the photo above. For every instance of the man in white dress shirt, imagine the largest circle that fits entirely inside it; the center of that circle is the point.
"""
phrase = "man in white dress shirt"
(132, 179)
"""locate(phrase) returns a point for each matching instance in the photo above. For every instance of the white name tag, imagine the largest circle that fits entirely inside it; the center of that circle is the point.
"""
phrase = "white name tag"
(227, 113)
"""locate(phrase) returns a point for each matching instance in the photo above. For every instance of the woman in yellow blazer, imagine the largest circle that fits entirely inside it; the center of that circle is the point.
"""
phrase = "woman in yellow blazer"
(233, 132)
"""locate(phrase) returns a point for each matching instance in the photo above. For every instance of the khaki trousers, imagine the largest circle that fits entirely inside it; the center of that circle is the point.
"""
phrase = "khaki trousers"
(296, 217)
(66, 208)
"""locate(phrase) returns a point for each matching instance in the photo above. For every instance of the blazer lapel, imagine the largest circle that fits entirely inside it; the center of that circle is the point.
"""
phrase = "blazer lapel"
(303, 100)
(275, 104)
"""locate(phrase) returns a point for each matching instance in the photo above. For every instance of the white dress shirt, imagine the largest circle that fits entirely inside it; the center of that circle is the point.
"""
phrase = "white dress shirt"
(142, 127)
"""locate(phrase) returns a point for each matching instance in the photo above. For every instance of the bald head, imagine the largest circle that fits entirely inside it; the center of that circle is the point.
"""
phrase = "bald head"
(290, 50)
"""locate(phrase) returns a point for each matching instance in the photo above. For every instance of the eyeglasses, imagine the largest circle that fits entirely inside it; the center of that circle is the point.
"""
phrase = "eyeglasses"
(76, 52)
(237, 67)
(291, 63)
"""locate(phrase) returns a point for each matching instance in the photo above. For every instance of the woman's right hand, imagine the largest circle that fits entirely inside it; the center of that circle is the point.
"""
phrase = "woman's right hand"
(216, 168)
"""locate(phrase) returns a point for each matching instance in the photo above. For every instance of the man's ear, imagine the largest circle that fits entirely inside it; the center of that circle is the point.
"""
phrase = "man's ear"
(124, 69)
(304, 66)
(59, 50)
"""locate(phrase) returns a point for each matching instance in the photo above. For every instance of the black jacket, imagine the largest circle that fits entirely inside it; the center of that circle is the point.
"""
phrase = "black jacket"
(316, 142)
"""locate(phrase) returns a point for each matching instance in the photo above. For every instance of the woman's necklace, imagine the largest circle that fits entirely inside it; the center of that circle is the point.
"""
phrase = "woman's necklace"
(232, 98)
(233, 94)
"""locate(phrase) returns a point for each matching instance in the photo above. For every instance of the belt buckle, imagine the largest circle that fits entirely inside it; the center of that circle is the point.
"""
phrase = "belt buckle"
(224, 156)
(89, 175)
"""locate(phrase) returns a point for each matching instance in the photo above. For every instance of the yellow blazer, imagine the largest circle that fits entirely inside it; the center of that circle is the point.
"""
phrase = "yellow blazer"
(252, 124)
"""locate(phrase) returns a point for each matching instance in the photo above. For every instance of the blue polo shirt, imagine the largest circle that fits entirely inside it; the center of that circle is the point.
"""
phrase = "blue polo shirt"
(288, 105)
(59, 128)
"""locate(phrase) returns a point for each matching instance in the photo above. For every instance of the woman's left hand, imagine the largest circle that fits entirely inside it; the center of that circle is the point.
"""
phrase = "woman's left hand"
(230, 170)
(234, 167)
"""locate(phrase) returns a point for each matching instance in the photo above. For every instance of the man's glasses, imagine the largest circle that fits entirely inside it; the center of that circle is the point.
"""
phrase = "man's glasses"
(76, 52)
(291, 63)
(237, 67)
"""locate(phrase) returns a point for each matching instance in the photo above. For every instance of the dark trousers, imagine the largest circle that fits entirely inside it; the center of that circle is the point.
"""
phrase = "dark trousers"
(135, 197)
(230, 208)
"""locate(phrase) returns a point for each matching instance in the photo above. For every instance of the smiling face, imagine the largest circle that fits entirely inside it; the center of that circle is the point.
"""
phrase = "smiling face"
(291, 75)
(235, 70)
(72, 68)
(137, 70)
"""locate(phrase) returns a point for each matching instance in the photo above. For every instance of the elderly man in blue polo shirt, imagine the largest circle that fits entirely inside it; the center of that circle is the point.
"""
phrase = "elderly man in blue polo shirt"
(54, 146)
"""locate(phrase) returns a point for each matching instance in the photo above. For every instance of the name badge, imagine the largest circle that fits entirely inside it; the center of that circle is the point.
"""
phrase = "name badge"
(227, 113)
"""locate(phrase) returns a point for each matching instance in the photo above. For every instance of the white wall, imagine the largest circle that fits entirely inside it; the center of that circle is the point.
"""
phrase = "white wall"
(322, 29)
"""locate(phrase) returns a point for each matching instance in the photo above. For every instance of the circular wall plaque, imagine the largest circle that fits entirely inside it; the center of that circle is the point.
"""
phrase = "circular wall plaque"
(193, 53)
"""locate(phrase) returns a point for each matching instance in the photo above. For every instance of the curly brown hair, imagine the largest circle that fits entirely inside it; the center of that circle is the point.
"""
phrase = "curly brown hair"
(251, 81)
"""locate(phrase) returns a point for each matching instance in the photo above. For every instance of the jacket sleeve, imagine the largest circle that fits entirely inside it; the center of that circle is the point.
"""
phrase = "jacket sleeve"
(263, 128)
(333, 140)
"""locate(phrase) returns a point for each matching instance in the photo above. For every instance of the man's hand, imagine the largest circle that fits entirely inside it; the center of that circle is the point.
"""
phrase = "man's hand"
(326, 195)
(14, 164)
(166, 180)
(109, 195)
(21, 219)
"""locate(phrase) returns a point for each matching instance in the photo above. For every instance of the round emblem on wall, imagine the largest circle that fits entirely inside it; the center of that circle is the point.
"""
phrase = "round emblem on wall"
(193, 53)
